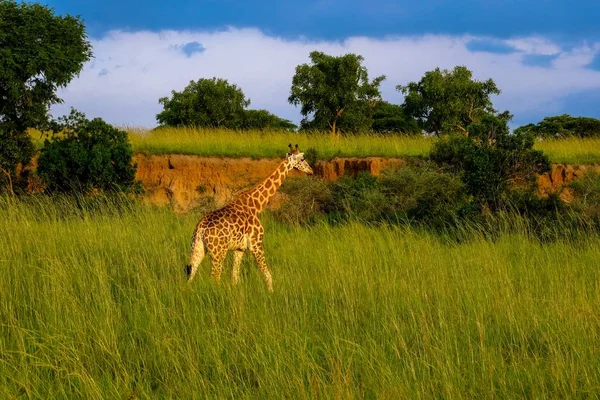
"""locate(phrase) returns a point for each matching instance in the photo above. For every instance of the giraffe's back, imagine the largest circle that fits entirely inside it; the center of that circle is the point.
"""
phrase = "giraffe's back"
(227, 228)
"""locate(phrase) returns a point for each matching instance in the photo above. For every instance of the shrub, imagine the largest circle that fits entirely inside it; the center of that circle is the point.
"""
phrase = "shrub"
(16, 149)
(306, 199)
(311, 155)
(84, 155)
(359, 197)
(491, 161)
(426, 194)
(421, 193)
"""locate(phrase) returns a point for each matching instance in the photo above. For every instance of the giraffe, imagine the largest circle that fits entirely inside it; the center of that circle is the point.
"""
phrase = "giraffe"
(236, 226)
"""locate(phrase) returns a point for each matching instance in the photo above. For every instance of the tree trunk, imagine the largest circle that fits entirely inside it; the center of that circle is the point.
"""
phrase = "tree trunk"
(466, 132)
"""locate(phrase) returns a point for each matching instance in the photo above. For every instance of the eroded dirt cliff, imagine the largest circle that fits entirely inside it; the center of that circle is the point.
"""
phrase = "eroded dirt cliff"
(182, 180)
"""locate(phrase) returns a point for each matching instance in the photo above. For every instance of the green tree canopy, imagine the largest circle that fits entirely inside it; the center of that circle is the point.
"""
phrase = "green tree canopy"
(39, 53)
(204, 103)
(446, 101)
(563, 126)
(329, 87)
(391, 118)
(263, 119)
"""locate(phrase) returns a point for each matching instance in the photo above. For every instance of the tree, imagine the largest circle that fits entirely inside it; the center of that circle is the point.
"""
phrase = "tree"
(83, 155)
(391, 118)
(263, 119)
(446, 101)
(492, 162)
(15, 148)
(211, 103)
(563, 126)
(330, 86)
(39, 53)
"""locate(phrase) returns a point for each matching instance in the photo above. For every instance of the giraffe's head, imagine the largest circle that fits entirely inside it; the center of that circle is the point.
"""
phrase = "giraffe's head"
(297, 161)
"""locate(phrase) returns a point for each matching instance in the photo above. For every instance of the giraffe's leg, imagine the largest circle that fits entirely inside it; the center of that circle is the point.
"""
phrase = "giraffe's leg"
(218, 257)
(237, 263)
(259, 255)
(196, 254)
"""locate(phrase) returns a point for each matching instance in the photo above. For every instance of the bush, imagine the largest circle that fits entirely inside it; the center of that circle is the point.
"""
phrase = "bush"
(84, 155)
(426, 194)
(306, 199)
(492, 162)
(358, 197)
(422, 193)
(16, 149)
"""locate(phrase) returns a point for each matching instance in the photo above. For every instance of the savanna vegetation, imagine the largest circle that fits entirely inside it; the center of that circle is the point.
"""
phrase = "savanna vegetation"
(267, 143)
(447, 278)
(94, 304)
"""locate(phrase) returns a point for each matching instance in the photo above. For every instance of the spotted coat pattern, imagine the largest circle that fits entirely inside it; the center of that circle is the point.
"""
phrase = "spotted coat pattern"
(236, 226)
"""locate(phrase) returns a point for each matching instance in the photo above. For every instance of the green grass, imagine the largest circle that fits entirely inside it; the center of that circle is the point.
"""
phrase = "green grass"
(273, 144)
(93, 304)
(571, 150)
(257, 144)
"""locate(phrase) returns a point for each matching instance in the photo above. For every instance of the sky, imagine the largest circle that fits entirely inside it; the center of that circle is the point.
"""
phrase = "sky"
(544, 55)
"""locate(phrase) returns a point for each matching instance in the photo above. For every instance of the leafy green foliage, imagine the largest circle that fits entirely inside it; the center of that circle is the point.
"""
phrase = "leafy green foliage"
(446, 101)
(331, 87)
(16, 149)
(423, 194)
(215, 103)
(305, 201)
(391, 118)
(84, 155)
(204, 103)
(563, 126)
(263, 119)
(492, 161)
(39, 52)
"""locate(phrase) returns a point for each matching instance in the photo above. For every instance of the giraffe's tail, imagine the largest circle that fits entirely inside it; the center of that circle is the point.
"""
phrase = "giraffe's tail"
(196, 254)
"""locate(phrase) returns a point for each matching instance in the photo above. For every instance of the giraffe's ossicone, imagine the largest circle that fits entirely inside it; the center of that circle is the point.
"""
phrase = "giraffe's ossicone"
(236, 226)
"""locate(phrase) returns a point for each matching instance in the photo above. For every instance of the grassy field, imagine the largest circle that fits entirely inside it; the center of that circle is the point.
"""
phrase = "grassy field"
(93, 304)
(259, 144)
(270, 144)
(273, 144)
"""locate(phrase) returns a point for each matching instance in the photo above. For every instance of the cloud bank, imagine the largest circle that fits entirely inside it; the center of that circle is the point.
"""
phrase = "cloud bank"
(132, 70)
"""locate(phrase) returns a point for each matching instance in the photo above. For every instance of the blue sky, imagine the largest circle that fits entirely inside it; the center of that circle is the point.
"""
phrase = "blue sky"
(337, 19)
(550, 47)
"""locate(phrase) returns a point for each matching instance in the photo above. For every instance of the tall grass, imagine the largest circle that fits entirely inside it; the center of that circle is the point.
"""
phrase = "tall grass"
(571, 150)
(258, 144)
(93, 304)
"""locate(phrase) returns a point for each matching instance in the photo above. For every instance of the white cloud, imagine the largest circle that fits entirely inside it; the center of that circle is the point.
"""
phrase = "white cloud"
(535, 45)
(131, 70)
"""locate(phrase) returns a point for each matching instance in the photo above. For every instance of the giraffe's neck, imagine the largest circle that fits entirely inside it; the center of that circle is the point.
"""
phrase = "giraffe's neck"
(257, 198)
